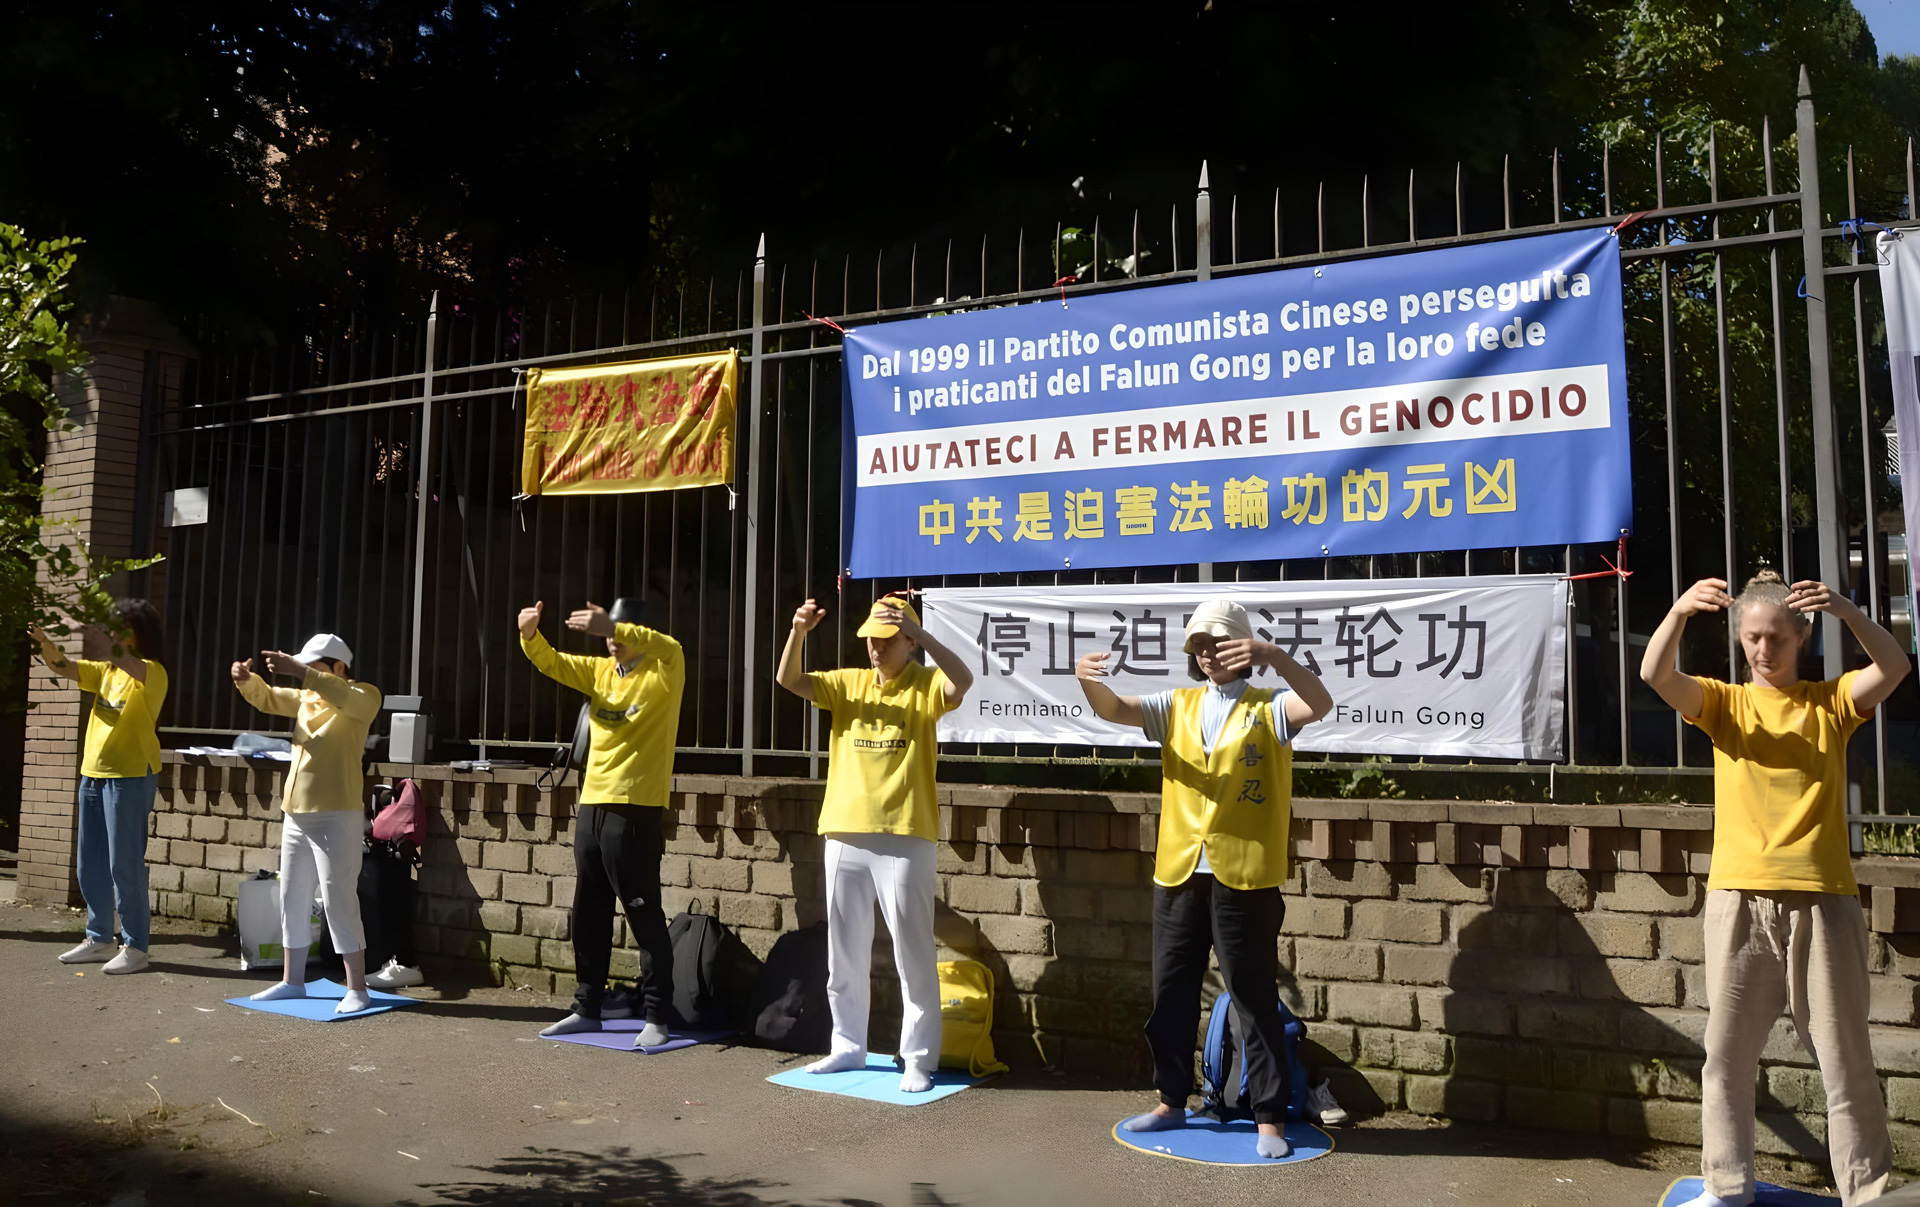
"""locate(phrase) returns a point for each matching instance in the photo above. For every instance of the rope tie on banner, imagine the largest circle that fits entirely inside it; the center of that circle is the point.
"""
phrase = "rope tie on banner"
(1619, 571)
(1630, 219)
(1853, 232)
(1062, 284)
(826, 322)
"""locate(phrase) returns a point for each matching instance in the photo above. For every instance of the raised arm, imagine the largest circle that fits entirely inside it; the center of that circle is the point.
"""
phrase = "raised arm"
(279, 701)
(1310, 699)
(959, 678)
(1658, 668)
(791, 674)
(360, 701)
(574, 670)
(1107, 704)
(55, 657)
(1890, 664)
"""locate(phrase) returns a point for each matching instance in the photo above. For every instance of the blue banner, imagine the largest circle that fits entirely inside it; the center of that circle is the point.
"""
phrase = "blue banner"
(1461, 398)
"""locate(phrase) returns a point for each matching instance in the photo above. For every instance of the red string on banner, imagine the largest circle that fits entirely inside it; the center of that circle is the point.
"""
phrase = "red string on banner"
(1630, 219)
(1612, 571)
(826, 322)
(1062, 284)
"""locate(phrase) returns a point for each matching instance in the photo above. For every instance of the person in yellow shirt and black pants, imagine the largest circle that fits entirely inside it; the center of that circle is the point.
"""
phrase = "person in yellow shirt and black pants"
(119, 775)
(1226, 806)
(323, 818)
(633, 696)
(881, 821)
(1784, 928)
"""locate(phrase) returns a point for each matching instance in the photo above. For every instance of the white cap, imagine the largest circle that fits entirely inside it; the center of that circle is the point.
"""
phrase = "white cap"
(1221, 618)
(328, 646)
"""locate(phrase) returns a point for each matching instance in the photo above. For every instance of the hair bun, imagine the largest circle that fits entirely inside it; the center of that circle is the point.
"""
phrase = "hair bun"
(1766, 578)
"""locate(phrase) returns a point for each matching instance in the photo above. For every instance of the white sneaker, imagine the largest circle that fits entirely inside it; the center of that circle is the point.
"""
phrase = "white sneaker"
(90, 951)
(1323, 1108)
(395, 975)
(130, 959)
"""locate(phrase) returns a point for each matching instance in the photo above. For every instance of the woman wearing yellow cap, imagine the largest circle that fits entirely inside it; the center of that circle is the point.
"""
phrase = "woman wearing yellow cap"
(1226, 800)
(881, 821)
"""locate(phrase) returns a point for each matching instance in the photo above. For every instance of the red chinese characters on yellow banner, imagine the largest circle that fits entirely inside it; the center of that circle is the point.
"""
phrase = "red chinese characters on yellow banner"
(643, 425)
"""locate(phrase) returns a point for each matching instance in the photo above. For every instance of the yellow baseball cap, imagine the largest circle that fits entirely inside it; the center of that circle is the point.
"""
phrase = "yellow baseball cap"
(875, 627)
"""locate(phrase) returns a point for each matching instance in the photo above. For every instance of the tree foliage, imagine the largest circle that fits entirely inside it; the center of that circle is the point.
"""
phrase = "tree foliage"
(48, 575)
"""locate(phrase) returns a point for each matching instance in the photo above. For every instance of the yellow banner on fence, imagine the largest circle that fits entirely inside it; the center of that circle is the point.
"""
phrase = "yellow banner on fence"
(644, 425)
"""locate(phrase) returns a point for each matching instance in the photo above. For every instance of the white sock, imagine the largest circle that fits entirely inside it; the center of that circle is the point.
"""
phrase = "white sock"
(839, 1062)
(1272, 1147)
(651, 1036)
(280, 993)
(915, 1081)
(573, 1024)
(355, 1001)
(1703, 1199)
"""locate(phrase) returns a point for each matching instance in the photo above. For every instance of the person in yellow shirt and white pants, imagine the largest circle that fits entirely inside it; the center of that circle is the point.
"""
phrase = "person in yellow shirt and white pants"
(1226, 807)
(1784, 928)
(119, 775)
(323, 821)
(881, 821)
(634, 699)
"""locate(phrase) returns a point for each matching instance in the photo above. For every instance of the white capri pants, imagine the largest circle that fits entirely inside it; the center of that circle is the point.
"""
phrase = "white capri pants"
(323, 848)
(896, 870)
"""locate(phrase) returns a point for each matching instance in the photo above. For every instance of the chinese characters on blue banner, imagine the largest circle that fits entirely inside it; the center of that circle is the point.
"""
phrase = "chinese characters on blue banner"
(1460, 398)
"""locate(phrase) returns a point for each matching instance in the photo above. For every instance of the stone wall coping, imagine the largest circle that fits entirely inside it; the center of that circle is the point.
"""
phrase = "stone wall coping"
(523, 795)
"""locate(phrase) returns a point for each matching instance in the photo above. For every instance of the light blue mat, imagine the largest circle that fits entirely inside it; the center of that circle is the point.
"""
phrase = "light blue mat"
(1206, 1141)
(322, 997)
(1765, 1194)
(878, 1082)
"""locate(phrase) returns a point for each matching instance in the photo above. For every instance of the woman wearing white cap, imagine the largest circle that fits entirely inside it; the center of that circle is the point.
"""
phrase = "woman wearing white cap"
(323, 823)
(1226, 801)
(881, 821)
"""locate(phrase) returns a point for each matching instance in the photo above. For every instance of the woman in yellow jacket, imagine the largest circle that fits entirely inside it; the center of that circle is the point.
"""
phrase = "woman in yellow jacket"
(1226, 802)
(323, 822)
(118, 777)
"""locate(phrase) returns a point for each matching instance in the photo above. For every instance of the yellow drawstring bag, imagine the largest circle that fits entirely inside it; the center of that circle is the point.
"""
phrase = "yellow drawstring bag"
(966, 1018)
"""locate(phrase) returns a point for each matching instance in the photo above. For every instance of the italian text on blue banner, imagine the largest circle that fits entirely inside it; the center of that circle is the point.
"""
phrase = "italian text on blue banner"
(1460, 398)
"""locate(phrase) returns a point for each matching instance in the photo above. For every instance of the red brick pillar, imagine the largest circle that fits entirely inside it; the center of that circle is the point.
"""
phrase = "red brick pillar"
(92, 472)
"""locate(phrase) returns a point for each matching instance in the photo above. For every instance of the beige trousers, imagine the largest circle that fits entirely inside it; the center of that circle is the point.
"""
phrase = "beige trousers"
(1806, 954)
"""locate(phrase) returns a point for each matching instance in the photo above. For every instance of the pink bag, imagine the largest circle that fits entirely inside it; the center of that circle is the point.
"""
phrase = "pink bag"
(404, 820)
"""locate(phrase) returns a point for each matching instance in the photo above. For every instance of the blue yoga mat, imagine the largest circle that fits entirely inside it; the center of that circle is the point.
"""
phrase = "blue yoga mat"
(878, 1082)
(1765, 1194)
(617, 1034)
(322, 997)
(1207, 1141)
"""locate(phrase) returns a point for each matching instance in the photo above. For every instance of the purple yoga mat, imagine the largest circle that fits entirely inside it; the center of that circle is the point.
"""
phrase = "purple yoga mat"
(617, 1034)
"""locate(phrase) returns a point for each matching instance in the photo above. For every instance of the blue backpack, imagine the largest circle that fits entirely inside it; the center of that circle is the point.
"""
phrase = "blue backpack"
(1223, 1065)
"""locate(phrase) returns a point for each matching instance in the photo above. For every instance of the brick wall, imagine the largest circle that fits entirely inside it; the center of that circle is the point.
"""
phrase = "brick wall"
(1535, 964)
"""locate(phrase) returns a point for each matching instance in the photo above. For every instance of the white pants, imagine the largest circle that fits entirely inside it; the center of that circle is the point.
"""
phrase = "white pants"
(325, 848)
(897, 871)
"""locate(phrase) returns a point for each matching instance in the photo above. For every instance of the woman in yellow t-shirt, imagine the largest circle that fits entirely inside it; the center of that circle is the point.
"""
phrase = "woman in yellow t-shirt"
(118, 777)
(881, 821)
(1784, 929)
(1226, 808)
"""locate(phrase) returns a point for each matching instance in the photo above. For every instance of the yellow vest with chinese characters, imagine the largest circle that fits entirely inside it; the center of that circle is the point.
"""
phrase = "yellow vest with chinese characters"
(1236, 802)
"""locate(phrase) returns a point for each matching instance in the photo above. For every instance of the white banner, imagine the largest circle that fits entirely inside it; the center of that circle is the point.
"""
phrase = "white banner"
(1900, 289)
(1442, 666)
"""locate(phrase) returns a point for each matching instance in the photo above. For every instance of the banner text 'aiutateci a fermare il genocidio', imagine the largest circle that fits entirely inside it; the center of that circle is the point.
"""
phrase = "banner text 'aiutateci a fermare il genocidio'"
(1468, 397)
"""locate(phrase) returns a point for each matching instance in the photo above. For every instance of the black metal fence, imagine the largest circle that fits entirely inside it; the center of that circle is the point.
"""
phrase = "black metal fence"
(365, 482)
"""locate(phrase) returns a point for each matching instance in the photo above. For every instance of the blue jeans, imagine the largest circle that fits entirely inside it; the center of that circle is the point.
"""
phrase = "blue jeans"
(112, 865)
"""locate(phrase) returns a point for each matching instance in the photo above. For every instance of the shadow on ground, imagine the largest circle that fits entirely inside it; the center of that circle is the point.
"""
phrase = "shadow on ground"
(559, 1175)
(111, 1162)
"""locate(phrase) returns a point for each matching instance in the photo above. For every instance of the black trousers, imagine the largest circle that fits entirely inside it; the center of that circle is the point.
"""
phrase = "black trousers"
(1243, 926)
(616, 859)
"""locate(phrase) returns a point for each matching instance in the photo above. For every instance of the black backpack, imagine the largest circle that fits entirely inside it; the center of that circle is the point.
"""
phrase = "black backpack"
(386, 903)
(712, 972)
(789, 1009)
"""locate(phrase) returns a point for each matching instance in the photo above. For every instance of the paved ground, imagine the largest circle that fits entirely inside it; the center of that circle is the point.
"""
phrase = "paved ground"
(147, 1089)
